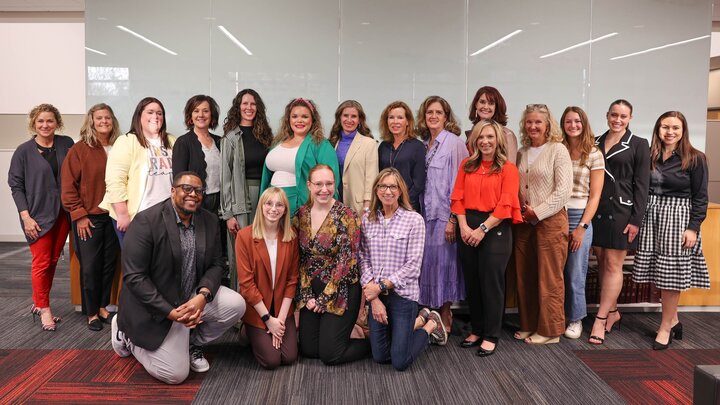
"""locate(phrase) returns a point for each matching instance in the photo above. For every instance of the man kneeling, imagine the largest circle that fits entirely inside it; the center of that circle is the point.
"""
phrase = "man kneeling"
(171, 302)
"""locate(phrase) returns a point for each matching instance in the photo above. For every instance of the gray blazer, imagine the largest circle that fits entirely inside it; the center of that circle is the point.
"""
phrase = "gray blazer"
(234, 193)
(33, 186)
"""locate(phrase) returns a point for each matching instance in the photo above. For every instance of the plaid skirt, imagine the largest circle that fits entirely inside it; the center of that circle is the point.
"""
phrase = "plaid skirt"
(660, 258)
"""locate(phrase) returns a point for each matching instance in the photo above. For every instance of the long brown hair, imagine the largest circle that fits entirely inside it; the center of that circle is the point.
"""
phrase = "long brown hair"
(451, 124)
(688, 155)
(587, 137)
(261, 129)
(136, 126)
(403, 198)
(500, 157)
(492, 95)
(362, 127)
(385, 133)
(285, 132)
(87, 131)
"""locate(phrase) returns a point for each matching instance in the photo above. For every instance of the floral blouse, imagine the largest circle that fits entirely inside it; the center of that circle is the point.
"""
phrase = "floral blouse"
(331, 256)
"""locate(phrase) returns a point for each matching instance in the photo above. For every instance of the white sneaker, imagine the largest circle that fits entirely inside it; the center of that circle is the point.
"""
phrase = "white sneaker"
(574, 330)
(198, 363)
(118, 340)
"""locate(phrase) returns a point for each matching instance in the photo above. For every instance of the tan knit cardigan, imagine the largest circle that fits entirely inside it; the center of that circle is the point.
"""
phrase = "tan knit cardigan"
(547, 184)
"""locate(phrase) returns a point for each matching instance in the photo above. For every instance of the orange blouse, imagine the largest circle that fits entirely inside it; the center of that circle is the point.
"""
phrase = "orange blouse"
(496, 193)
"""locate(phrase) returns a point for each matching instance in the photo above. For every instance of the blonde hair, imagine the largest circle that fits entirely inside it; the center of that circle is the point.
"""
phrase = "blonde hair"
(385, 133)
(35, 112)
(553, 134)
(258, 225)
(451, 124)
(87, 131)
(403, 199)
(500, 157)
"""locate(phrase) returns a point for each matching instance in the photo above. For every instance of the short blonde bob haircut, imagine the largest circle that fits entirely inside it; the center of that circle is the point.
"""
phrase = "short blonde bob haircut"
(258, 225)
(35, 112)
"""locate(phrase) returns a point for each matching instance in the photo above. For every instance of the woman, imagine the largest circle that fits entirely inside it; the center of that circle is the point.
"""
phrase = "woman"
(267, 263)
(199, 150)
(670, 248)
(400, 149)
(139, 167)
(243, 149)
(83, 187)
(393, 238)
(297, 148)
(357, 155)
(620, 211)
(35, 182)
(489, 104)
(484, 220)
(588, 176)
(541, 241)
(329, 292)
(440, 278)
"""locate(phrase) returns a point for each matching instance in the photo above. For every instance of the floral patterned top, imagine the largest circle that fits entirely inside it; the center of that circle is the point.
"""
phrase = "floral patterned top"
(332, 256)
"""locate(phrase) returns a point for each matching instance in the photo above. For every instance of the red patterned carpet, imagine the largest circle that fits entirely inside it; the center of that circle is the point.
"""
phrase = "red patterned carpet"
(84, 376)
(648, 376)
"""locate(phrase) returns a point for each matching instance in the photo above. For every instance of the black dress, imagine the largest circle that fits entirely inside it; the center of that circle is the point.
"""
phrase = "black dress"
(625, 191)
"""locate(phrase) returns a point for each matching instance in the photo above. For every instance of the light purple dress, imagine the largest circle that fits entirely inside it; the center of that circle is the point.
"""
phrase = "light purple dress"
(441, 278)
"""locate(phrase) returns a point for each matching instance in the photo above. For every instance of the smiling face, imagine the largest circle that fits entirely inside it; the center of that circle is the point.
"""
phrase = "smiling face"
(201, 116)
(321, 185)
(300, 120)
(572, 125)
(485, 108)
(536, 128)
(388, 192)
(487, 142)
(349, 119)
(151, 119)
(273, 210)
(248, 110)
(102, 122)
(187, 202)
(618, 118)
(671, 132)
(45, 125)
(397, 122)
(435, 117)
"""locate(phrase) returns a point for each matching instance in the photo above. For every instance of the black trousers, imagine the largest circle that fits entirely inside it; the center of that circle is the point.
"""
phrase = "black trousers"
(484, 271)
(211, 202)
(327, 336)
(98, 256)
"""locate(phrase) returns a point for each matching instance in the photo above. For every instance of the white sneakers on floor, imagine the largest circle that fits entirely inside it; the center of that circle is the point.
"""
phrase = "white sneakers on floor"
(119, 343)
(574, 330)
(198, 363)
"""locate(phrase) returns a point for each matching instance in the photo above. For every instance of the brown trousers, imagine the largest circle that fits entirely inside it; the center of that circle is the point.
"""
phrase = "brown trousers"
(540, 254)
(269, 357)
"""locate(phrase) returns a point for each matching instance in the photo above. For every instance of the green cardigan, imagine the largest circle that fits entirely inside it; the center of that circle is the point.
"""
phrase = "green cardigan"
(309, 154)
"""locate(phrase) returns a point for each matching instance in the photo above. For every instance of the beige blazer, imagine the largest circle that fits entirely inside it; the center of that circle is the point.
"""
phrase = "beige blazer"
(359, 172)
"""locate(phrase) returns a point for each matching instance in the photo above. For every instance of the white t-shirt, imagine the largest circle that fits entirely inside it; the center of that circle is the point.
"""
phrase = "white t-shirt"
(272, 252)
(159, 180)
(281, 161)
(212, 159)
(534, 152)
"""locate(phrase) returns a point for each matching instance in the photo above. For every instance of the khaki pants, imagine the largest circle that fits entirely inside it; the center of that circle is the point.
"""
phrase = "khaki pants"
(540, 254)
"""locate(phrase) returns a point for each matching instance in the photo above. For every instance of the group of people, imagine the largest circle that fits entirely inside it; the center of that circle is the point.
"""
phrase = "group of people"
(353, 236)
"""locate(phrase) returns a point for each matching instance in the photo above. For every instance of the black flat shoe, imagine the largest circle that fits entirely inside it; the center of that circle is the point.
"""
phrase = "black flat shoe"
(466, 344)
(109, 318)
(484, 353)
(95, 325)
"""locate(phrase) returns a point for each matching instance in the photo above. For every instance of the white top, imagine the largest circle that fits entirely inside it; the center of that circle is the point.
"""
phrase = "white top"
(281, 161)
(212, 160)
(272, 251)
(159, 180)
(534, 152)
(107, 149)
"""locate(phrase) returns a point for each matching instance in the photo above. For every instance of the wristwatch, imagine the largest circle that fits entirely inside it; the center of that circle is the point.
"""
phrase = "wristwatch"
(383, 287)
(208, 296)
(584, 226)
(484, 228)
(265, 317)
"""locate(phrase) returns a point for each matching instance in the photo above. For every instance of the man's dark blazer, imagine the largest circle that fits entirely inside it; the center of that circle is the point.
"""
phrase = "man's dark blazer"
(152, 267)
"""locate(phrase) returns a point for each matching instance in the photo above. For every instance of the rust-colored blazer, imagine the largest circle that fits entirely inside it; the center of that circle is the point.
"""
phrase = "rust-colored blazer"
(254, 272)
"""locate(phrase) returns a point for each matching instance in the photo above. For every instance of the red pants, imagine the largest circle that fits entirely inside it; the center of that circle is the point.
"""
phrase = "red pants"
(45, 254)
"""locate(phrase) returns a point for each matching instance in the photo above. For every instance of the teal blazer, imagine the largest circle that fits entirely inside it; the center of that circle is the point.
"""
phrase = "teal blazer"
(309, 154)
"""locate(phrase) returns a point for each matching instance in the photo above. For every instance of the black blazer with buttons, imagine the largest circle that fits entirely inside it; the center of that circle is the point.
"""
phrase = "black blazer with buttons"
(152, 269)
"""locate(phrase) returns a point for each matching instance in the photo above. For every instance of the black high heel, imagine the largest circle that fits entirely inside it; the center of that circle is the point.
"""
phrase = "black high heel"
(598, 339)
(677, 331)
(660, 346)
(618, 322)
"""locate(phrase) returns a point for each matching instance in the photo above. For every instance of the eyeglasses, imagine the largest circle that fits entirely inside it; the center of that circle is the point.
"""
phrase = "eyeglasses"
(188, 189)
(269, 204)
(536, 107)
(328, 185)
(386, 187)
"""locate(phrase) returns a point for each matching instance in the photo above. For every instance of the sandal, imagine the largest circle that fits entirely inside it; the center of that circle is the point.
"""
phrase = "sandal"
(597, 340)
(520, 335)
(536, 339)
(618, 322)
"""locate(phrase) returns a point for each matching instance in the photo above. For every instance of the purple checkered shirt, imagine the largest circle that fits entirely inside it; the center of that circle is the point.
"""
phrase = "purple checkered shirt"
(393, 251)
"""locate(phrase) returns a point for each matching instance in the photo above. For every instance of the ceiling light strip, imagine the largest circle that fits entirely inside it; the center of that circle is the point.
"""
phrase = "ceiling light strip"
(660, 47)
(496, 43)
(153, 43)
(235, 40)
(612, 34)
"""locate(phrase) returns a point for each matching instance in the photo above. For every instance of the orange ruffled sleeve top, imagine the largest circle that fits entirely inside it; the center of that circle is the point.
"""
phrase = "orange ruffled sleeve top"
(496, 193)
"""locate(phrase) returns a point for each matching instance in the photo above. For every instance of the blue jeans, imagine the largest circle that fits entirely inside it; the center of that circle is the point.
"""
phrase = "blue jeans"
(576, 270)
(397, 342)
(120, 235)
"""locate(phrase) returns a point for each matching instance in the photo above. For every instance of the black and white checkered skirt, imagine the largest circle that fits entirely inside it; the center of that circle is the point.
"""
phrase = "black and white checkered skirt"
(660, 258)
